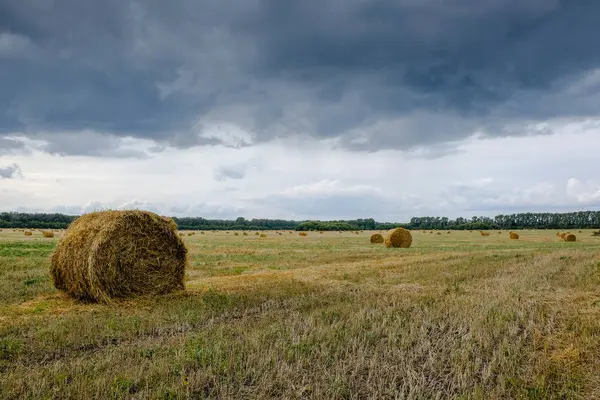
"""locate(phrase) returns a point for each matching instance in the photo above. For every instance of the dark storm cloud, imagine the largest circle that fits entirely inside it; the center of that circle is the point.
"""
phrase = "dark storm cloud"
(377, 74)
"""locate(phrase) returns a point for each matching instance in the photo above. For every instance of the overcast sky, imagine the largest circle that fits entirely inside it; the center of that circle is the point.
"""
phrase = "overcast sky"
(300, 109)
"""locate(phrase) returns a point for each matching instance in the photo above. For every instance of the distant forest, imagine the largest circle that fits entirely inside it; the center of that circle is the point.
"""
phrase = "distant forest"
(572, 220)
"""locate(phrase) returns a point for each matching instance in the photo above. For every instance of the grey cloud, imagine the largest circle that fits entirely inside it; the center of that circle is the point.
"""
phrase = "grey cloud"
(10, 171)
(87, 143)
(229, 172)
(377, 74)
(207, 210)
(8, 145)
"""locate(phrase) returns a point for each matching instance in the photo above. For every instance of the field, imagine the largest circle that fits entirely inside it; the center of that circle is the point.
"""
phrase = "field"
(327, 316)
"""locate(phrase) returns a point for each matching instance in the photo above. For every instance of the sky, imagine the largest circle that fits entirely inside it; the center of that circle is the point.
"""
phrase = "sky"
(329, 109)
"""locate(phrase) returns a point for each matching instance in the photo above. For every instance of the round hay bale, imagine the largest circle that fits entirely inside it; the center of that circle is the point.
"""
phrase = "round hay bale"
(377, 238)
(263, 235)
(398, 237)
(513, 235)
(28, 233)
(485, 234)
(245, 233)
(570, 238)
(48, 234)
(190, 234)
(257, 233)
(303, 234)
(119, 254)
(236, 234)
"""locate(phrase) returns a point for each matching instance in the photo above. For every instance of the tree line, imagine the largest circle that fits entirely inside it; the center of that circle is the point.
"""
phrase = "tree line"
(572, 220)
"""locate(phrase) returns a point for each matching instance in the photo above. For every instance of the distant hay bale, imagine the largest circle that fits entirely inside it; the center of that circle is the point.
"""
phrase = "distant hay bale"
(190, 234)
(448, 232)
(499, 232)
(263, 235)
(377, 238)
(303, 234)
(439, 233)
(48, 234)
(513, 235)
(570, 238)
(279, 233)
(398, 237)
(485, 234)
(596, 233)
(181, 234)
(320, 232)
(119, 254)
(236, 234)
(257, 233)
(202, 233)
(28, 233)
(245, 233)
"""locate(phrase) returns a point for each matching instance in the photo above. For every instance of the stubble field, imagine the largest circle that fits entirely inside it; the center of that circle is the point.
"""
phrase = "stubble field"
(329, 316)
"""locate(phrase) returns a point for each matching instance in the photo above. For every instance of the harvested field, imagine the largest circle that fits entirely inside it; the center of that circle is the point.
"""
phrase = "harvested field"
(323, 316)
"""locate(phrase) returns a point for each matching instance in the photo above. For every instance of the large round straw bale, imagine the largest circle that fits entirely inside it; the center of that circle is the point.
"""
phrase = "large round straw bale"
(513, 235)
(28, 233)
(48, 234)
(570, 238)
(398, 237)
(119, 254)
(303, 234)
(263, 235)
(377, 238)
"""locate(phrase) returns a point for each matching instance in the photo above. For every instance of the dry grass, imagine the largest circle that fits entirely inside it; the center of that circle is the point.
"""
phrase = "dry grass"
(117, 254)
(327, 316)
